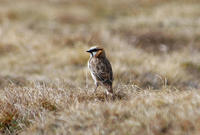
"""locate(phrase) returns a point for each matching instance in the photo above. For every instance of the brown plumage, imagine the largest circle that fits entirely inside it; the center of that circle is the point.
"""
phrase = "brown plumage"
(100, 68)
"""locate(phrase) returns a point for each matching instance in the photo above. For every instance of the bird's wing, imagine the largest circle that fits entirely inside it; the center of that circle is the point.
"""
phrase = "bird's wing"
(103, 71)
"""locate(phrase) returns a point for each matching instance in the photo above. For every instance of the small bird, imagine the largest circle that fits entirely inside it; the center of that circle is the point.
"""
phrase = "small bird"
(100, 68)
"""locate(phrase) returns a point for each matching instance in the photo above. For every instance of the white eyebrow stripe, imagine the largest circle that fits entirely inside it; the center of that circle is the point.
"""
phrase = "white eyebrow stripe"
(92, 48)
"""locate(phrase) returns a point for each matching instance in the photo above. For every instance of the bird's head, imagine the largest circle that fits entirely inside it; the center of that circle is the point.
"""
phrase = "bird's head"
(96, 52)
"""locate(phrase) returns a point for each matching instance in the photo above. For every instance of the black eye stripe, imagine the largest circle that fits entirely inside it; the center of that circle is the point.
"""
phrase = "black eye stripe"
(94, 50)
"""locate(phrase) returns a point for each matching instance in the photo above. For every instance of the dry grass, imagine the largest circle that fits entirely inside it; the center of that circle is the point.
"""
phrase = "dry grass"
(153, 46)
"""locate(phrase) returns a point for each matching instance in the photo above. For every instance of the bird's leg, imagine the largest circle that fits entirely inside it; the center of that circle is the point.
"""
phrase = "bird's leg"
(109, 93)
(97, 85)
(110, 89)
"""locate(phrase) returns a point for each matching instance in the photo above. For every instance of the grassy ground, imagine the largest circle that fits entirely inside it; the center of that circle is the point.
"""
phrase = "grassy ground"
(153, 46)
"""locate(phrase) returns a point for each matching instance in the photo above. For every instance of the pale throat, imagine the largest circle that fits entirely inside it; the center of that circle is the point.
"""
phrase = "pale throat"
(93, 54)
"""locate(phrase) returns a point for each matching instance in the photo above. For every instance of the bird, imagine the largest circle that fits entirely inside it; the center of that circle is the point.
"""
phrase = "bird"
(100, 69)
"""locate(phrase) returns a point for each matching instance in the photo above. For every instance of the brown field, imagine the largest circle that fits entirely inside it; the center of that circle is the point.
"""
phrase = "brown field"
(153, 46)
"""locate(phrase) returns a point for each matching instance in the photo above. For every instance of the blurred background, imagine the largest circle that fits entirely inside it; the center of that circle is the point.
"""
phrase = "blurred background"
(149, 43)
(154, 49)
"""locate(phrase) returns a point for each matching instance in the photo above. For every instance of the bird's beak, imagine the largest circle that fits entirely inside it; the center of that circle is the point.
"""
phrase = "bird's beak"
(88, 51)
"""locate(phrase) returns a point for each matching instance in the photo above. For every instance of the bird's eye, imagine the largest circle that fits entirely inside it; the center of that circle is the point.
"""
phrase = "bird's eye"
(94, 50)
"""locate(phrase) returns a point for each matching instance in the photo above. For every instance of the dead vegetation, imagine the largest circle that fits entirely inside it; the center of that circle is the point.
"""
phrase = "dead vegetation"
(156, 42)
(153, 47)
(8, 80)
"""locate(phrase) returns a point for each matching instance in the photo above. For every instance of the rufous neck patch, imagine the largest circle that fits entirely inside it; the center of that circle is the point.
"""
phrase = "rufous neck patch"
(99, 53)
